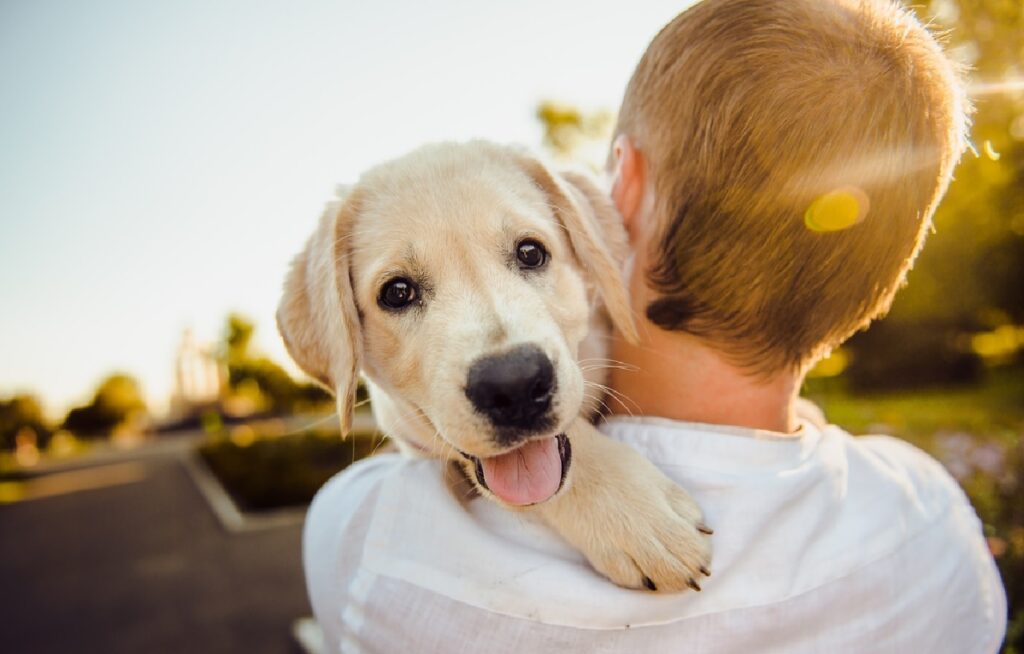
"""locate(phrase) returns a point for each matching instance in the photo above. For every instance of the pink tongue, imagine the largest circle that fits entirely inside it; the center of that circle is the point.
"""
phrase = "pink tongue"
(526, 475)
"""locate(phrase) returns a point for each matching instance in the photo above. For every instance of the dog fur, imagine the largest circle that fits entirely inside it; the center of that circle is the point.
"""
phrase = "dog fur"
(449, 216)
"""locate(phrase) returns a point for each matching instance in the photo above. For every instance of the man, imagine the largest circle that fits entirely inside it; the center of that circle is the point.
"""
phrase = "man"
(777, 163)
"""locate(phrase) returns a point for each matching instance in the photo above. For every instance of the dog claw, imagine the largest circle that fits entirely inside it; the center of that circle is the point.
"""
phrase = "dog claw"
(649, 584)
(693, 584)
(704, 571)
(704, 529)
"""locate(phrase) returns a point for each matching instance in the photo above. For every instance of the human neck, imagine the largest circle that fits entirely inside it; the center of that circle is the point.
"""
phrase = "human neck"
(677, 376)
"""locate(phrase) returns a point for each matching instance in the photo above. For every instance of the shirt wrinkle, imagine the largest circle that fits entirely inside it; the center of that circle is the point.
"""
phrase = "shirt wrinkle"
(835, 544)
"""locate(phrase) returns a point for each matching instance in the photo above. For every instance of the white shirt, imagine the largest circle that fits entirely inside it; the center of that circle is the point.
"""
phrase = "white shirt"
(823, 543)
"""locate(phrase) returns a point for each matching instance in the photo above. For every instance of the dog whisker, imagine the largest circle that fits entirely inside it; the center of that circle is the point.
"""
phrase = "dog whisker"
(381, 440)
(603, 367)
(608, 363)
(447, 449)
(599, 400)
(597, 359)
(624, 400)
(620, 397)
(312, 425)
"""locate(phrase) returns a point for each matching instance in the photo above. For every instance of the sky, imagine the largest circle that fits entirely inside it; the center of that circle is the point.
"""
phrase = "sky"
(160, 163)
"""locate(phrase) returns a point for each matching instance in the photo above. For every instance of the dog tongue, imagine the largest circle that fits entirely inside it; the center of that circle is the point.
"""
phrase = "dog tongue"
(526, 475)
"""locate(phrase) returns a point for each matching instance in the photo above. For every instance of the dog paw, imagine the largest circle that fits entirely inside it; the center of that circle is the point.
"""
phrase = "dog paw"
(655, 540)
(632, 523)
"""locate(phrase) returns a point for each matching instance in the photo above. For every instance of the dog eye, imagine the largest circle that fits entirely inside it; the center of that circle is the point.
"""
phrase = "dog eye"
(531, 254)
(397, 293)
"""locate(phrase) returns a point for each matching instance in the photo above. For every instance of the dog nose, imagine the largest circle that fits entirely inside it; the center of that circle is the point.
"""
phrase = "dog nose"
(513, 389)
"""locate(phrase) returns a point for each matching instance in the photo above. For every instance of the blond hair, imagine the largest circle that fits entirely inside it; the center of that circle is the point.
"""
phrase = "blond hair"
(752, 114)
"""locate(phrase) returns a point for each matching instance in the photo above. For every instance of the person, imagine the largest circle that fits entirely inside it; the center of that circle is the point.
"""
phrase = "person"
(777, 164)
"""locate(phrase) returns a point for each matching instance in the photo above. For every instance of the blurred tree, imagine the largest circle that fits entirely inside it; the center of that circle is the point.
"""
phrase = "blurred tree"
(237, 337)
(117, 400)
(19, 413)
(571, 134)
(970, 275)
(267, 384)
(983, 212)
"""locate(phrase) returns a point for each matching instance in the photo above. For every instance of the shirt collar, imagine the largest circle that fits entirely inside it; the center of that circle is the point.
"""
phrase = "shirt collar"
(714, 447)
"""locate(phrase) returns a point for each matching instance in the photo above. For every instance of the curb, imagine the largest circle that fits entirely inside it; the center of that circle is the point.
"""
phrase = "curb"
(230, 517)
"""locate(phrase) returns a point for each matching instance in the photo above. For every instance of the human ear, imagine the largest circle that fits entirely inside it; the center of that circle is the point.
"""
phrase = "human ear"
(629, 184)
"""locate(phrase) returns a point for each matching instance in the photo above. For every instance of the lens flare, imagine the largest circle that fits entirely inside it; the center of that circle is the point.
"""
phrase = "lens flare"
(837, 210)
(990, 151)
(1002, 87)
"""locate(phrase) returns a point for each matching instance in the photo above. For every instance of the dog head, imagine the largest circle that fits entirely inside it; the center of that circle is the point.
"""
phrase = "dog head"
(459, 278)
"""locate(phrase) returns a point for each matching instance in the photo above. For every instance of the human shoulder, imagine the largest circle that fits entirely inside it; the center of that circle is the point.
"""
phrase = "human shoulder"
(343, 510)
(908, 497)
(896, 462)
(361, 477)
(340, 522)
(356, 487)
(958, 575)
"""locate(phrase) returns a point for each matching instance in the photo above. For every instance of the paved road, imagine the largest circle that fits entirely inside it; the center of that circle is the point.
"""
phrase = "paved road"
(140, 564)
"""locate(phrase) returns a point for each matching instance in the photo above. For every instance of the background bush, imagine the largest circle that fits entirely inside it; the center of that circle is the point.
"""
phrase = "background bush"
(283, 471)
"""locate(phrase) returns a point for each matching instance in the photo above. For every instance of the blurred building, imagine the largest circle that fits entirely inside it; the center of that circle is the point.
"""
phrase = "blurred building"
(199, 376)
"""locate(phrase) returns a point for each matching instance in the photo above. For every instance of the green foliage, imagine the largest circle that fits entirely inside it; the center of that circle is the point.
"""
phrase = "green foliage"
(117, 400)
(282, 471)
(989, 410)
(902, 354)
(20, 412)
(573, 134)
(248, 373)
(1001, 271)
(237, 337)
(969, 276)
(278, 389)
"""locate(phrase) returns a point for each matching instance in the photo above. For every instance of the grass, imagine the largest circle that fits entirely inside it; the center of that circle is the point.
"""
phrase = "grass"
(992, 410)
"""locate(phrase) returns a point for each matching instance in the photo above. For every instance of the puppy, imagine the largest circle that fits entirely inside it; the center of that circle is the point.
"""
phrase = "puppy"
(468, 283)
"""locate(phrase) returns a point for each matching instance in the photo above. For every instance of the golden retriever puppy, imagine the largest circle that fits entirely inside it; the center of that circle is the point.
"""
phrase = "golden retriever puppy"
(466, 283)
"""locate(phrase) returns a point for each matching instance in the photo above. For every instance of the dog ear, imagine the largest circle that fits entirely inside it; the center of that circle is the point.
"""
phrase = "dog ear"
(317, 315)
(596, 233)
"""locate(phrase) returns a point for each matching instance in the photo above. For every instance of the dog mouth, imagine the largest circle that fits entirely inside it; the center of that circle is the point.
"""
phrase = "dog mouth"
(530, 474)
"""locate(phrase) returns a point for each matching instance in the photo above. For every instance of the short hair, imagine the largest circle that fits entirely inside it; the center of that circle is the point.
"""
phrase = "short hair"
(752, 115)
